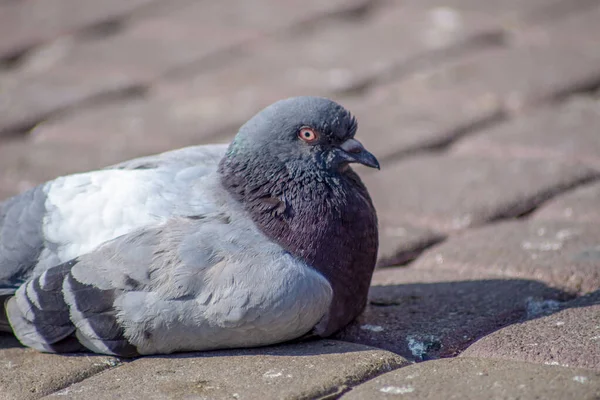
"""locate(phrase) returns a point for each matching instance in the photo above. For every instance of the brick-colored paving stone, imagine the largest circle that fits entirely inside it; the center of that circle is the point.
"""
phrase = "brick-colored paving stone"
(26, 98)
(523, 76)
(424, 314)
(401, 243)
(415, 112)
(566, 28)
(451, 192)
(570, 337)
(28, 374)
(136, 124)
(472, 378)
(568, 132)
(561, 254)
(579, 205)
(310, 370)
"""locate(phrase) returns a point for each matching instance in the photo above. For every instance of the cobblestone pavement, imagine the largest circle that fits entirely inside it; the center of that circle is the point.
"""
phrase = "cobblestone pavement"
(485, 115)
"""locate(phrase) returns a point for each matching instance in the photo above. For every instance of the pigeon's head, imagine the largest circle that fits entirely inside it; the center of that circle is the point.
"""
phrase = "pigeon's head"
(305, 133)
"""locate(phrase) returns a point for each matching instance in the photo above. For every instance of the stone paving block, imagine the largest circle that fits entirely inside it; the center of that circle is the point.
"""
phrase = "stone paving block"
(26, 97)
(24, 24)
(568, 132)
(401, 117)
(562, 254)
(569, 337)
(579, 205)
(28, 374)
(132, 126)
(474, 379)
(447, 193)
(425, 314)
(310, 370)
(514, 78)
(566, 28)
(402, 243)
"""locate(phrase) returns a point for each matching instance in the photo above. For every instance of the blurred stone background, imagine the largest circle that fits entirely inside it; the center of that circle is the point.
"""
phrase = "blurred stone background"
(485, 115)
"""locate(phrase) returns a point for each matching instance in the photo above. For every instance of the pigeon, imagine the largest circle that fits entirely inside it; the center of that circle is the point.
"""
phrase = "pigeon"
(269, 239)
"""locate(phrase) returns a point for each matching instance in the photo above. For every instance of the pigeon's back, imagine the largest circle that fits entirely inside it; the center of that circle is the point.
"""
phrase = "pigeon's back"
(72, 215)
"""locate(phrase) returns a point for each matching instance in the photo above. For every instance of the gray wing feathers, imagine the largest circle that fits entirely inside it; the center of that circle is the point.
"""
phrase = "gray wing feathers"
(142, 289)
(39, 315)
(21, 236)
(75, 301)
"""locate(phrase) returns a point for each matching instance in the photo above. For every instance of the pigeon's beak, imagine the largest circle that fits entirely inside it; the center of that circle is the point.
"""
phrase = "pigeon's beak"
(354, 151)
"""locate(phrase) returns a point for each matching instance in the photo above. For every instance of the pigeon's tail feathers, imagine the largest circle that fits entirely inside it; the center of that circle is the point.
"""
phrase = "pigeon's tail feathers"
(38, 314)
(55, 312)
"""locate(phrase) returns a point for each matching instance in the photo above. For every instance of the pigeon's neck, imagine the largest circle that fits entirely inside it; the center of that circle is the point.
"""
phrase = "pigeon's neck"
(326, 221)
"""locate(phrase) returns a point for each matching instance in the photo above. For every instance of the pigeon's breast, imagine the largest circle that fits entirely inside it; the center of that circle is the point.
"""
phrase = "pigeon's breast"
(276, 307)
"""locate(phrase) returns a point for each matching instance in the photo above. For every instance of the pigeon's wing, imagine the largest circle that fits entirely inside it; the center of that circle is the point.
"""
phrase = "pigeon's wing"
(69, 307)
(155, 257)
(74, 214)
(191, 284)
(208, 155)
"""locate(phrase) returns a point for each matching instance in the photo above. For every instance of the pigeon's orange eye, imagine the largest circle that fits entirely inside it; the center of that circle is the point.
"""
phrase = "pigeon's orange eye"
(308, 135)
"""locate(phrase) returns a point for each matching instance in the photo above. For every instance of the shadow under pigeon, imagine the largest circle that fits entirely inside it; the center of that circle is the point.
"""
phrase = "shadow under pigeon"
(432, 320)
(8, 341)
(590, 299)
(418, 321)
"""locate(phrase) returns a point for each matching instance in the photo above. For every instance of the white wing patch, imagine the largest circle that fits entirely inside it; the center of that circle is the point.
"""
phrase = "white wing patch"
(86, 210)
